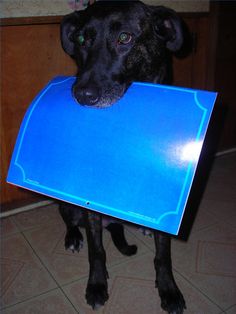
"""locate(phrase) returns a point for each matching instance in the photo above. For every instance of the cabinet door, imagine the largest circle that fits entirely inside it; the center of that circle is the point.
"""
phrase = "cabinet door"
(31, 56)
(190, 70)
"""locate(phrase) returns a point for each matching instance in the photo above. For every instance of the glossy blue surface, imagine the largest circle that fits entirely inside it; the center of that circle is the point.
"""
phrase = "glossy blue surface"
(135, 160)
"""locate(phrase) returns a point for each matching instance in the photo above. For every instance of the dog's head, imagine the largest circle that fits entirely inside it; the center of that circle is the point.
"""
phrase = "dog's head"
(117, 42)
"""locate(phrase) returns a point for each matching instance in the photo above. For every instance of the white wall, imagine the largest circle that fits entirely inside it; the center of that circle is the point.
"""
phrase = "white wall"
(25, 8)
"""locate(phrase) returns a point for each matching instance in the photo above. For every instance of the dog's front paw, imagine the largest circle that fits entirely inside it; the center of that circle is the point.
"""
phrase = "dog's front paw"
(96, 295)
(172, 301)
(74, 240)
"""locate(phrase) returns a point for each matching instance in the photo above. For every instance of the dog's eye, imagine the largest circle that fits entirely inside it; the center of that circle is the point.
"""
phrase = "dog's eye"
(81, 40)
(124, 38)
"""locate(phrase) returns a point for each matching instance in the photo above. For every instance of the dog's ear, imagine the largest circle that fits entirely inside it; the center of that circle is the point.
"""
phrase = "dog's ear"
(168, 27)
(69, 25)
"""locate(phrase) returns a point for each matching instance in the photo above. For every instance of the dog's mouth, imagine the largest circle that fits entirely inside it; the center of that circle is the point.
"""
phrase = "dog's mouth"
(94, 97)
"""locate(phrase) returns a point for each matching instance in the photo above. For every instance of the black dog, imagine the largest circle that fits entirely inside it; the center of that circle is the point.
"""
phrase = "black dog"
(115, 43)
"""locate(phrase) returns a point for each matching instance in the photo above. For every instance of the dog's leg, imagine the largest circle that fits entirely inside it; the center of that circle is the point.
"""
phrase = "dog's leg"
(172, 300)
(96, 292)
(118, 237)
(72, 217)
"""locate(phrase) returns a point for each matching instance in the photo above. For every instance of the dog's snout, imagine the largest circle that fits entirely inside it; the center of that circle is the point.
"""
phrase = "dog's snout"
(88, 95)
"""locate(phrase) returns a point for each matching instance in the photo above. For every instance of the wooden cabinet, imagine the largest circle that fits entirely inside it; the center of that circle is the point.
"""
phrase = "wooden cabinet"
(31, 55)
(191, 70)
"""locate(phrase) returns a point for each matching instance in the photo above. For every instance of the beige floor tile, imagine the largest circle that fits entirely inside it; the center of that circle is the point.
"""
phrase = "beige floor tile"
(208, 261)
(132, 290)
(130, 295)
(53, 302)
(128, 265)
(142, 270)
(7, 227)
(232, 310)
(139, 296)
(222, 182)
(76, 294)
(37, 217)
(64, 265)
(224, 211)
(140, 267)
(23, 276)
(196, 302)
(126, 296)
(216, 193)
(204, 218)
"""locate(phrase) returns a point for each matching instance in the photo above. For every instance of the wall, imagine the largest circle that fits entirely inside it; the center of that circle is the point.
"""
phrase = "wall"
(23, 8)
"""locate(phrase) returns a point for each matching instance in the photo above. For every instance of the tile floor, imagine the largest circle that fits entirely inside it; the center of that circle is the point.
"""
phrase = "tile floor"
(39, 276)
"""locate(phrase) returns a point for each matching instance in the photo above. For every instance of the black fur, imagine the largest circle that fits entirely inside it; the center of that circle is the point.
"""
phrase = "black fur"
(107, 68)
(115, 43)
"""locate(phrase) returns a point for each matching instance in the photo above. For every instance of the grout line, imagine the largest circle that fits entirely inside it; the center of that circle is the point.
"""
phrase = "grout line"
(186, 279)
(230, 307)
(45, 266)
(27, 299)
(198, 289)
(83, 277)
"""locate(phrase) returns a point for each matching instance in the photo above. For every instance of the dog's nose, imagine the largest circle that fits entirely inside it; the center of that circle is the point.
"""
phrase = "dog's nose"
(86, 95)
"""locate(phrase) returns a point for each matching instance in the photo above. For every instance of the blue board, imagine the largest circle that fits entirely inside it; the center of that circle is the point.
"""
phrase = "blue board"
(135, 160)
